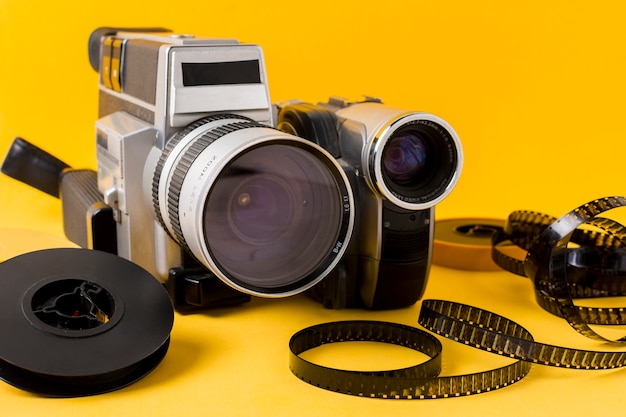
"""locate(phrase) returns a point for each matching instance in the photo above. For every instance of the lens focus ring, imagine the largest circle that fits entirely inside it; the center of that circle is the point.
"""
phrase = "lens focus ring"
(185, 162)
(171, 145)
(267, 212)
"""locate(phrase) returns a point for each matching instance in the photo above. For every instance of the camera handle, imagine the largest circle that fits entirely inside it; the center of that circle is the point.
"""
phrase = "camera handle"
(33, 166)
(77, 189)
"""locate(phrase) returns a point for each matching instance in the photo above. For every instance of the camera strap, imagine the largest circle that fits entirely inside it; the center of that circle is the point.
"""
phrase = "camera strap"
(594, 267)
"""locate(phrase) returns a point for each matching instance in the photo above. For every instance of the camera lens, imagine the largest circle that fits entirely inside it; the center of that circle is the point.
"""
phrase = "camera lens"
(267, 212)
(404, 158)
(261, 209)
(272, 217)
(415, 160)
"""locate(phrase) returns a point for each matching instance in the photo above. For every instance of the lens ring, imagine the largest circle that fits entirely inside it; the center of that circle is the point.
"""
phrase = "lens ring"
(427, 169)
(185, 162)
(158, 183)
(190, 177)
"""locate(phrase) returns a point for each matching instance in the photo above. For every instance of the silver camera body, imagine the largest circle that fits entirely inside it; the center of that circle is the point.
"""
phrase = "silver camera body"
(188, 159)
(400, 164)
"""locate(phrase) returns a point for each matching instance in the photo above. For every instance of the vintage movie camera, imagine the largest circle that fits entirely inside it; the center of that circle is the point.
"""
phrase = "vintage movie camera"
(400, 165)
(193, 183)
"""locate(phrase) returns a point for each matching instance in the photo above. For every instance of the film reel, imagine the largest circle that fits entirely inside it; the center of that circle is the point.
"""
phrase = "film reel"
(594, 267)
(78, 322)
(465, 243)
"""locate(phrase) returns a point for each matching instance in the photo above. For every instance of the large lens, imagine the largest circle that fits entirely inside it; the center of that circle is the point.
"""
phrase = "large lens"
(404, 158)
(273, 216)
(267, 212)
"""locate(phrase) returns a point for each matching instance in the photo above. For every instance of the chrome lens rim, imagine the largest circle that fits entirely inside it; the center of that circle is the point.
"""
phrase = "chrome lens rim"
(441, 170)
(193, 195)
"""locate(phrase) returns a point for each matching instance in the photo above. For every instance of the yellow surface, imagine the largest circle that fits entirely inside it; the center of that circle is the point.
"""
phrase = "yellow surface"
(535, 90)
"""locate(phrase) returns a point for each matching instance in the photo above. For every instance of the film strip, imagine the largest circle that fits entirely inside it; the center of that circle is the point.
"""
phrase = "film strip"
(421, 381)
(594, 267)
(494, 333)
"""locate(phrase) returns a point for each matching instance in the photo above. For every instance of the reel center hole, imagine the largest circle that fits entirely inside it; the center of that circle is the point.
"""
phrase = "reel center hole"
(73, 304)
(477, 230)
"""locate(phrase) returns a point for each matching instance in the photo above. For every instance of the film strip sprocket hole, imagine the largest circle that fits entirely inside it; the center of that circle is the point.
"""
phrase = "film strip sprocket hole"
(595, 267)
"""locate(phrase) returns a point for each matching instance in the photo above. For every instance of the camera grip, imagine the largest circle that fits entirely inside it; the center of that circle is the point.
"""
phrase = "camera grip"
(33, 166)
(87, 220)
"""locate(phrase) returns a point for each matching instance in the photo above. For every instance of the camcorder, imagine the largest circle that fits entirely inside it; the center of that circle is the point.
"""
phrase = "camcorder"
(400, 164)
(222, 195)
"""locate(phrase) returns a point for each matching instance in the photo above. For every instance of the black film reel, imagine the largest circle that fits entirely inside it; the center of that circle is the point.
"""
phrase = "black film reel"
(78, 322)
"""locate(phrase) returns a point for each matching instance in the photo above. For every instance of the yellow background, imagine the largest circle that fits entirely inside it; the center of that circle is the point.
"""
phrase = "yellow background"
(535, 90)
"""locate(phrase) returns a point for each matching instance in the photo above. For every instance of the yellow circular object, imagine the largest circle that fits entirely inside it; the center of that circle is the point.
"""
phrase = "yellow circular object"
(465, 243)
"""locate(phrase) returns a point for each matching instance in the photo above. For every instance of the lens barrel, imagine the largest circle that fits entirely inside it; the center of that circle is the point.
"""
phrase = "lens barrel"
(414, 161)
(267, 212)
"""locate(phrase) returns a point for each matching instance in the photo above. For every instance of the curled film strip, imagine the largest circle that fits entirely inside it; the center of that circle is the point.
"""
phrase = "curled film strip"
(421, 381)
(595, 267)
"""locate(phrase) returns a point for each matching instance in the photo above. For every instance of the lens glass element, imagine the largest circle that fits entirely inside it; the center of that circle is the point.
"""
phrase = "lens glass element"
(418, 163)
(262, 207)
(273, 217)
(404, 158)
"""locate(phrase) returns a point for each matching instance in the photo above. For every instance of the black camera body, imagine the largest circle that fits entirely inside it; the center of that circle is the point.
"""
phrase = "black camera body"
(400, 164)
